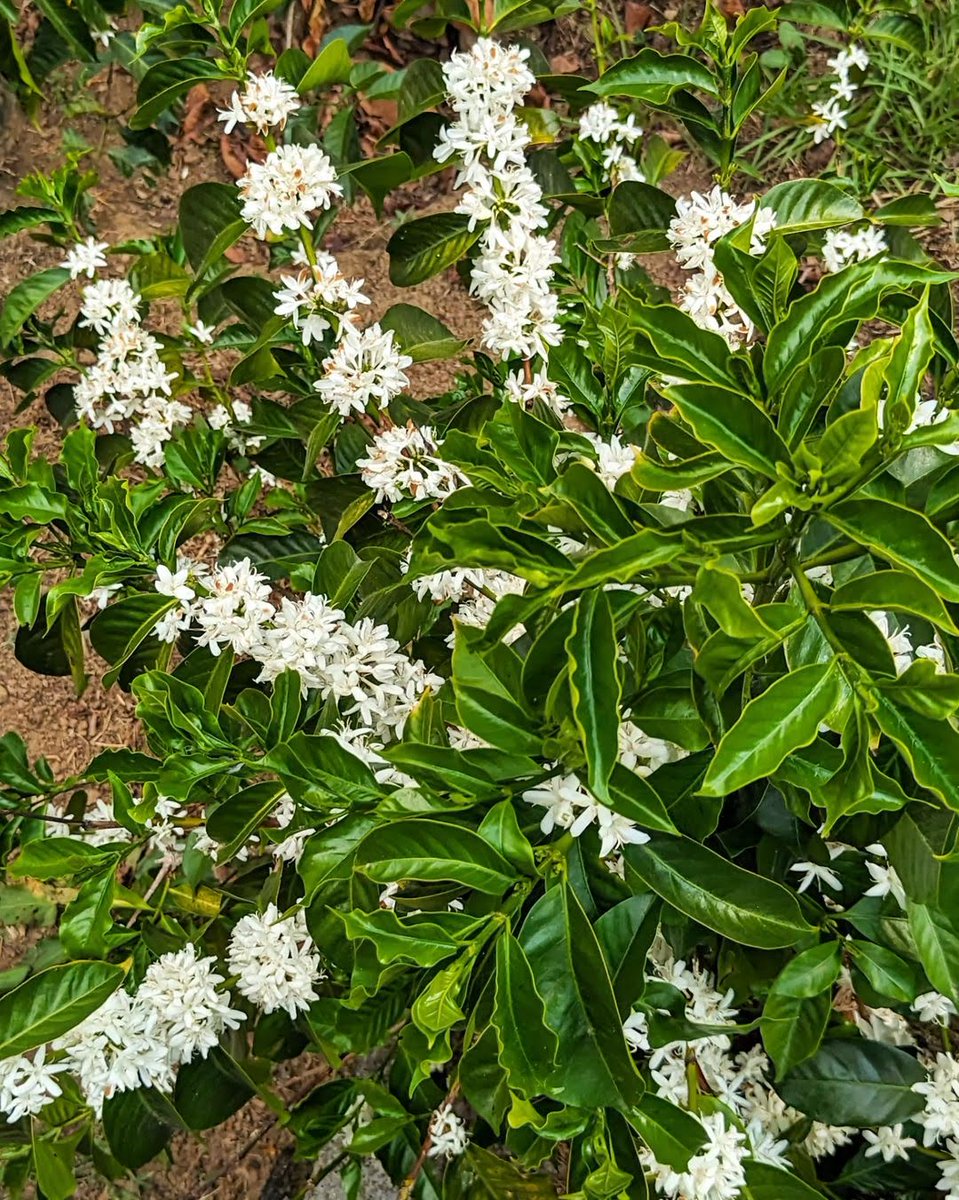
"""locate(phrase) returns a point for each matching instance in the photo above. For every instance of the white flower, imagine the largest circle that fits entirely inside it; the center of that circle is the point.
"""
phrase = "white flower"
(829, 116)
(949, 1167)
(448, 1135)
(175, 584)
(824, 1140)
(816, 872)
(85, 258)
(364, 368)
(885, 880)
(888, 1141)
(26, 1086)
(642, 753)
(598, 123)
(202, 332)
(237, 607)
(569, 806)
(940, 1117)
(614, 458)
(765, 1147)
(931, 1006)
(276, 962)
(405, 461)
(266, 101)
(636, 1031)
(281, 193)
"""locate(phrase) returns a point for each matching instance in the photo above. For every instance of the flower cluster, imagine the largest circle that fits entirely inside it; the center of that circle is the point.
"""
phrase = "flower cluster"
(129, 381)
(568, 805)
(841, 247)
(276, 964)
(265, 103)
(309, 298)
(615, 136)
(366, 367)
(448, 1135)
(360, 666)
(513, 269)
(829, 116)
(699, 223)
(130, 1041)
(281, 193)
(404, 461)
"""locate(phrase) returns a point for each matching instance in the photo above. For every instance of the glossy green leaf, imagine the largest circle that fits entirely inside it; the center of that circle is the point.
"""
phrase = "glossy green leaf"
(717, 893)
(433, 851)
(655, 77)
(49, 1004)
(852, 1081)
(782, 719)
(595, 687)
(425, 246)
(527, 1045)
(733, 425)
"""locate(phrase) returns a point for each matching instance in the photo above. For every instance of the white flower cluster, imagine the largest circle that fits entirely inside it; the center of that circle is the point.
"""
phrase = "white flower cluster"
(275, 961)
(366, 367)
(128, 381)
(232, 422)
(266, 102)
(280, 193)
(404, 461)
(699, 223)
(715, 1173)
(841, 247)
(904, 652)
(602, 124)
(309, 297)
(829, 116)
(474, 590)
(129, 1042)
(513, 270)
(568, 805)
(738, 1080)
(525, 391)
(448, 1135)
(642, 753)
(360, 665)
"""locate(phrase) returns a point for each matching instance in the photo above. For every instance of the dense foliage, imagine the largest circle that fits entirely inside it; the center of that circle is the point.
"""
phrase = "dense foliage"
(572, 753)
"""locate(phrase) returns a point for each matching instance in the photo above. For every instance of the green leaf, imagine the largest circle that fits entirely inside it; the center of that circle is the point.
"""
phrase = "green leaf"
(419, 334)
(793, 1028)
(595, 687)
(24, 217)
(210, 223)
(332, 65)
(893, 591)
(595, 1068)
(482, 1175)
(23, 300)
(210, 1089)
(70, 25)
(53, 1164)
(851, 1081)
(58, 858)
(51, 1003)
(694, 354)
(422, 248)
(527, 1045)
(782, 719)
(434, 851)
(138, 1125)
(803, 204)
(120, 629)
(764, 1182)
(32, 502)
(672, 1134)
(930, 747)
(937, 941)
(655, 77)
(912, 352)
(165, 82)
(642, 213)
(889, 974)
(739, 904)
(421, 942)
(733, 425)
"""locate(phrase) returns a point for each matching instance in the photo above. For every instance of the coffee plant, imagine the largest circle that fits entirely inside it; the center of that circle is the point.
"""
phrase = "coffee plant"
(569, 758)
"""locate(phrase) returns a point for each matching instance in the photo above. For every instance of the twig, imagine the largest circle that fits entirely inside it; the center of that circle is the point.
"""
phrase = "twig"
(406, 1191)
(165, 868)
